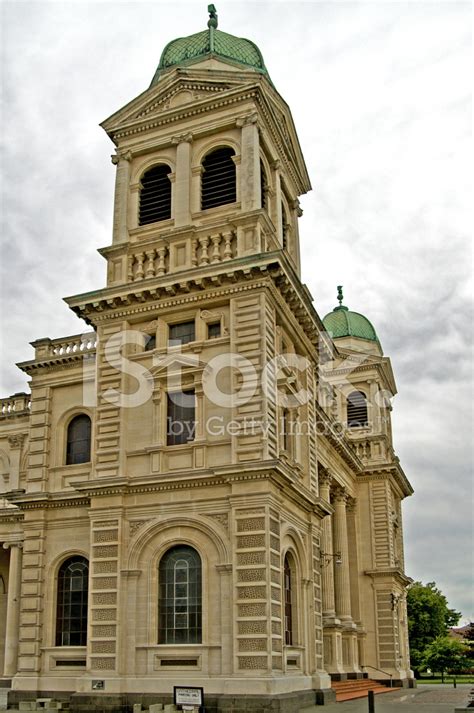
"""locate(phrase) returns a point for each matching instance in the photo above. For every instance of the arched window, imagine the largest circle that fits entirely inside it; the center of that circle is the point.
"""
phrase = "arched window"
(71, 610)
(218, 183)
(78, 449)
(356, 409)
(179, 604)
(155, 195)
(288, 592)
(263, 186)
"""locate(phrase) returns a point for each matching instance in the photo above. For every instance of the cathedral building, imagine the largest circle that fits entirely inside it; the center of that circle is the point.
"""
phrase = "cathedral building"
(201, 490)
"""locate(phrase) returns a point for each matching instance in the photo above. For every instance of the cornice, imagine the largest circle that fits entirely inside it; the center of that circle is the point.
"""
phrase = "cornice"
(54, 364)
(391, 572)
(186, 111)
(11, 515)
(391, 470)
(46, 500)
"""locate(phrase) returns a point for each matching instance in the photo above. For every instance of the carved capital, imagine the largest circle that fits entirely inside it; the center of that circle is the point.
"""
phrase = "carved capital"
(296, 206)
(8, 545)
(121, 155)
(351, 504)
(276, 165)
(324, 477)
(247, 120)
(16, 440)
(340, 495)
(182, 139)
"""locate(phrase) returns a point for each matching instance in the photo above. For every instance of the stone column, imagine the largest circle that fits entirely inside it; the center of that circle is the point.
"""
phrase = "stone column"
(327, 570)
(341, 571)
(250, 188)
(182, 186)
(13, 609)
(122, 181)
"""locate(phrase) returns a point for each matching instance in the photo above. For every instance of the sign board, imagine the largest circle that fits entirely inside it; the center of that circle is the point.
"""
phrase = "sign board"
(98, 685)
(188, 696)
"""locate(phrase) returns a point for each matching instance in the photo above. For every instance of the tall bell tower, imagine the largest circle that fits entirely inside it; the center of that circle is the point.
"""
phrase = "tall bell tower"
(204, 265)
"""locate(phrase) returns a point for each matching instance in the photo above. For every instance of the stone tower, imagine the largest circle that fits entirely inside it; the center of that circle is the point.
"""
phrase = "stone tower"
(184, 469)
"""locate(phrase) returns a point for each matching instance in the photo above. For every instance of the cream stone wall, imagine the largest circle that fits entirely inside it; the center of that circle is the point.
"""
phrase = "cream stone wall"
(245, 497)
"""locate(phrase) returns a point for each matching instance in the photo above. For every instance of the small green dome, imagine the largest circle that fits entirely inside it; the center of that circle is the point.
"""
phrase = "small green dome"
(210, 42)
(342, 322)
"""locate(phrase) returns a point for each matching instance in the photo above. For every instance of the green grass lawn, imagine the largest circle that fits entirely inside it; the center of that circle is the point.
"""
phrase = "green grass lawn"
(461, 678)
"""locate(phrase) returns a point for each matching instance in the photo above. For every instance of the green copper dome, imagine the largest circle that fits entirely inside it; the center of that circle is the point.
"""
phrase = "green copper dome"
(210, 42)
(341, 322)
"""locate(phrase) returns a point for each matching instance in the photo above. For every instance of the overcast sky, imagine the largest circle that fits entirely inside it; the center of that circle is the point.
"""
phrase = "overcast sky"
(380, 95)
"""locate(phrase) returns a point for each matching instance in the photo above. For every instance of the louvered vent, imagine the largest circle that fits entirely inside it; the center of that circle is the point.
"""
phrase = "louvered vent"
(218, 179)
(263, 186)
(155, 195)
(284, 226)
(356, 410)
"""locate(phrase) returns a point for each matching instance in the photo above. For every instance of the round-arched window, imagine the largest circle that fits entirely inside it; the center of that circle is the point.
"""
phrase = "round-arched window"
(78, 446)
(218, 182)
(155, 195)
(71, 608)
(180, 597)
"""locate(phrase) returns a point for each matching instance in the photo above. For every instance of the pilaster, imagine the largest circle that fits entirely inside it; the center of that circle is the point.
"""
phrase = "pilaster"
(182, 184)
(250, 195)
(13, 608)
(15, 441)
(122, 161)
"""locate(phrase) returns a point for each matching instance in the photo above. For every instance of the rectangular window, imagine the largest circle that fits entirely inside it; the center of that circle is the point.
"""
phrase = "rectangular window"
(181, 420)
(150, 342)
(214, 330)
(182, 333)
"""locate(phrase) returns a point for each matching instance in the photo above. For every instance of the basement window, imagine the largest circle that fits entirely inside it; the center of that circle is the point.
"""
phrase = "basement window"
(155, 195)
(218, 183)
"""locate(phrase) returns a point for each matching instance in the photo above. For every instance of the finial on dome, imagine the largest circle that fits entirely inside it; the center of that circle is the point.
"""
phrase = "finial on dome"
(340, 297)
(212, 22)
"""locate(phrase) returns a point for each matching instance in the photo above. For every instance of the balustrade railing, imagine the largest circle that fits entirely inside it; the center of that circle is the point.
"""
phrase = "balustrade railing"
(71, 345)
(75, 344)
(15, 405)
(173, 257)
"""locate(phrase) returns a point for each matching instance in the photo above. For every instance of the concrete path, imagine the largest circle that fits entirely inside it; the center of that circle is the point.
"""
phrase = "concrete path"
(425, 699)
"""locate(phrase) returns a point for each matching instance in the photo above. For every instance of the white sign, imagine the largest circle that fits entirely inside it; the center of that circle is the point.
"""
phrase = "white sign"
(188, 696)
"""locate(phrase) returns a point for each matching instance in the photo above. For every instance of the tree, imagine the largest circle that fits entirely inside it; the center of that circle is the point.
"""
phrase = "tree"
(469, 639)
(428, 617)
(446, 654)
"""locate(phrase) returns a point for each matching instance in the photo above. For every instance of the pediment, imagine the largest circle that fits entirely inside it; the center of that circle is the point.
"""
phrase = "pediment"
(171, 365)
(170, 94)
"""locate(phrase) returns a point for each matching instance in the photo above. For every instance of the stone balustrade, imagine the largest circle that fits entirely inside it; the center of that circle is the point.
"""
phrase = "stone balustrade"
(15, 405)
(370, 450)
(171, 257)
(75, 344)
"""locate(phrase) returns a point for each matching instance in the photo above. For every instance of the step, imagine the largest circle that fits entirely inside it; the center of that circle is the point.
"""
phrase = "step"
(357, 688)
